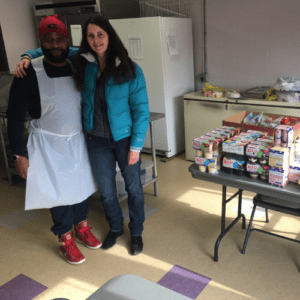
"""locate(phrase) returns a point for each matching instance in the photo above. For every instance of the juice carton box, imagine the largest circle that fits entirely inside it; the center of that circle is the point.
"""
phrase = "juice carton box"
(279, 157)
(292, 153)
(278, 176)
(294, 173)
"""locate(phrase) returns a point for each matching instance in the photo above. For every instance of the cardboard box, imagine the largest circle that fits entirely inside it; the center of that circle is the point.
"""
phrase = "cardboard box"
(294, 172)
(292, 153)
(279, 157)
(237, 121)
(278, 176)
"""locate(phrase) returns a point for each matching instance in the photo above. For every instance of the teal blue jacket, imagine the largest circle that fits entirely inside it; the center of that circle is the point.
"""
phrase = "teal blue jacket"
(127, 103)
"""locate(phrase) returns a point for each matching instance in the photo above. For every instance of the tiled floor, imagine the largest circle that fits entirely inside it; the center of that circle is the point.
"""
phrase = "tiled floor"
(182, 226)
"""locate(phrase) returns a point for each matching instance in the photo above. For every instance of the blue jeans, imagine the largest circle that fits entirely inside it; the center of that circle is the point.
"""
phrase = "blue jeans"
(65, 216)
(103, 154)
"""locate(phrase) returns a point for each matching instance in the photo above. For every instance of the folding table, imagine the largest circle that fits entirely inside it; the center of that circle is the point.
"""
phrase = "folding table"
(290, 193)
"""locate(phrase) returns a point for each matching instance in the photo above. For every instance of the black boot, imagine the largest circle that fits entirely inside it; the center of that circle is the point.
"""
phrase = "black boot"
(111, 238)
(136, 245)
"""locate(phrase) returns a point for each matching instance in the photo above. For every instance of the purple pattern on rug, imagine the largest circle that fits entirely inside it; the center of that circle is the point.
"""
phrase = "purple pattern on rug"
(184, 282)
(21, 288)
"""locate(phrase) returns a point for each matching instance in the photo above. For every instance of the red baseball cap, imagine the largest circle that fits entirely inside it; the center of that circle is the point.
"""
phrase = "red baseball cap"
(52, 24)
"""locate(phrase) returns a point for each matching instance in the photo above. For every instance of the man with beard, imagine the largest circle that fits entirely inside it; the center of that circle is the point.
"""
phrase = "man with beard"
(58, 173)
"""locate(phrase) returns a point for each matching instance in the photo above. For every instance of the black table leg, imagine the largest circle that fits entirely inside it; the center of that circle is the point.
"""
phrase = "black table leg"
(223, 217)
(240, 209)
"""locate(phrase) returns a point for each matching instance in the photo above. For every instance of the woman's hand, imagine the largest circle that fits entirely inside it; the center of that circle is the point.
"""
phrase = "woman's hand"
(20, 68)
(22, 165)
(133, 157)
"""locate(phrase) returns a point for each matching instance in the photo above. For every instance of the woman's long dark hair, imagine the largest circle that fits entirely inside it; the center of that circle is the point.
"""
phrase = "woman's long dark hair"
(125, 70)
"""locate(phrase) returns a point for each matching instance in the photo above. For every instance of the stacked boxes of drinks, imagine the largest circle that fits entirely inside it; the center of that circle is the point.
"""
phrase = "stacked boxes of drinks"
(209, 148)
(257, 153)
(242, 153)
(271, 159)
(284, 158)
(254, 153)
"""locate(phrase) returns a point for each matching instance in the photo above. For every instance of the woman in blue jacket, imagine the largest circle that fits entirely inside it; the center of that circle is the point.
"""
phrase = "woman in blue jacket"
(116, 118)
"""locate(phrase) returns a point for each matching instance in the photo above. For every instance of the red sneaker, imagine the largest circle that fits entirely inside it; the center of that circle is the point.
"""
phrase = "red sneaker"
(83, 235)
(68, 249)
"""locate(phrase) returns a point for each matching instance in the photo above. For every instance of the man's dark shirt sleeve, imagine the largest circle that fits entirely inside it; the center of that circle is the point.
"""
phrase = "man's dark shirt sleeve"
(24, 98)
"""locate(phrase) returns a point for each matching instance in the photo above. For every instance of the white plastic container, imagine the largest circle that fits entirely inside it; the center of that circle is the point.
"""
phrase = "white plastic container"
(202, 168)
(199, 153)
(208, 154)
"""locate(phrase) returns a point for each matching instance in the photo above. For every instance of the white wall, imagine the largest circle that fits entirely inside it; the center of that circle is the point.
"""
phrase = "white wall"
(252, 42)
(249, 42)
(17, 23)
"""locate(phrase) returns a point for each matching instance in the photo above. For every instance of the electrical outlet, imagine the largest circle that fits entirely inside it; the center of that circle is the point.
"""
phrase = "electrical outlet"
(203, 77)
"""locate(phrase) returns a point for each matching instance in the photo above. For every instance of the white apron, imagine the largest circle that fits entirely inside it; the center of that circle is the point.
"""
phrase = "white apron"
(59, 170)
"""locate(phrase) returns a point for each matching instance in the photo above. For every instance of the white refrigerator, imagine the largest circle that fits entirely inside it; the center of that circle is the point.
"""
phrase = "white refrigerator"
(163, 48)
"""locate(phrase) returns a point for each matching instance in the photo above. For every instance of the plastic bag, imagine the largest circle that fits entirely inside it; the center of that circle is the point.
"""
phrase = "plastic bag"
(256, 119)
(266, 120)
(270, 95)
(286, 84)
(274, 123)
(248, 118)
(288, 96)
(209, 87)
(251, 119)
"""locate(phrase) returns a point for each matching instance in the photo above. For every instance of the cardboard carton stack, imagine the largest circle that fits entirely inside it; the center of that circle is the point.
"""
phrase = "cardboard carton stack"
(209, 148)
(282, 164)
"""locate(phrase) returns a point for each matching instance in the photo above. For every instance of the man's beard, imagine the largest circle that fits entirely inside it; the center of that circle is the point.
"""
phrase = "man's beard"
(54, 58)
